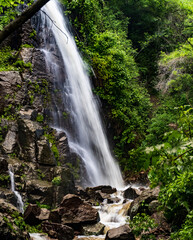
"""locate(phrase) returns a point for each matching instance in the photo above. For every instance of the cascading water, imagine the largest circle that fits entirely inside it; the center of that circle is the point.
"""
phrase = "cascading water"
(88, 139)
(20, 204)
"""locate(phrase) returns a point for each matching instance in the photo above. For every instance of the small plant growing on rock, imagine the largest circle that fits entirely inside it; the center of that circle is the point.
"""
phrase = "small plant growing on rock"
(56, 181)
(40, 118)
(142, 223)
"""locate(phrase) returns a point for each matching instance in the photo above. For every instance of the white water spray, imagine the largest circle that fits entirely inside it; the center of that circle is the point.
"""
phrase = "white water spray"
(20, 204)
(89, 140)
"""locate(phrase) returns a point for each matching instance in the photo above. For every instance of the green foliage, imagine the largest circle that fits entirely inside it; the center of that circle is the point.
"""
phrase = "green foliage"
(54, 148)
(173, 171)
(9, 10)
(186, 232)
(21, 66)
(43, 205)
(142, 223)
(56, 181)
(40, 118)
(6, 59)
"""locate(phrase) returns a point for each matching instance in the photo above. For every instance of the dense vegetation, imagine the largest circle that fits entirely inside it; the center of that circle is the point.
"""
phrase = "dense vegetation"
(141, 51)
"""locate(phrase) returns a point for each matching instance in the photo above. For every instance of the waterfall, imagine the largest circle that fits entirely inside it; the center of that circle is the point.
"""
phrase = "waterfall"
(87, 137)
(20, 204)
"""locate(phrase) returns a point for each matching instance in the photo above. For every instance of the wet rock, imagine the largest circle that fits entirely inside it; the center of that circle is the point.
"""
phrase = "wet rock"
(99, 193)
(104, 189)
(140, 204)
(8, 229)
(120, 233)
(73, 210)
(58, 231)
(93, 229)
(130, 193)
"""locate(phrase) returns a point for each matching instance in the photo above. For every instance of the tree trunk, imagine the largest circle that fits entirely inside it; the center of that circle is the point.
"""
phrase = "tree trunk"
(17, 22)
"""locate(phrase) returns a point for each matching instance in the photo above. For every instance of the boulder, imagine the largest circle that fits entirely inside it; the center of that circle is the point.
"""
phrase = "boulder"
(31, 214)
(73, 210)
(130, 193)
(58, 231)
(120, 233)
(100, 193)
(34, 215)
(140, 204)
(103, 188)
(93, 229)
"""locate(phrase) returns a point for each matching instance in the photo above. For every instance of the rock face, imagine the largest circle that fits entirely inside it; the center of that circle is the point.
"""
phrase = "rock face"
(9, 82)
(73, 210)
(8, 228)
(139, 205)
(120, 233)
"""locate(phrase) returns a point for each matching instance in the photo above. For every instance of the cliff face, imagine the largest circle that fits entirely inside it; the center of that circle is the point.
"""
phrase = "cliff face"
(39, 155)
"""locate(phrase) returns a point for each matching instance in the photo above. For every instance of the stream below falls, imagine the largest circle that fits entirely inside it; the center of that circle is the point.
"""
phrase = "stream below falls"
(112, 215)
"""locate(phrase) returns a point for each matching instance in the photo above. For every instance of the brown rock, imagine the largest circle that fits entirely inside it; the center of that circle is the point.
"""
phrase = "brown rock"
(73, 210)
(120, 233)
(31, 214)
(58, 231)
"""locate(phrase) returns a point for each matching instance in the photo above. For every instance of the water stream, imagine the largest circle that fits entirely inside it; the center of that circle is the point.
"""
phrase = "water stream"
(20, 204)
(86, 136)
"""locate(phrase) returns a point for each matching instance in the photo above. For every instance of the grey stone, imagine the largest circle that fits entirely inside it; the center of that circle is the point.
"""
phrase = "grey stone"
(9, 142)
(93, 229)
(120, 233)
